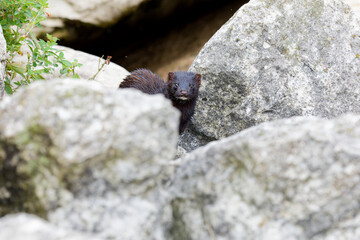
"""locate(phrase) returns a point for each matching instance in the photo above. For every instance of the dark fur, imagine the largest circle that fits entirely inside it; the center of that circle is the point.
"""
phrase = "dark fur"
(145, 81)
(180, 85)
(184, 84)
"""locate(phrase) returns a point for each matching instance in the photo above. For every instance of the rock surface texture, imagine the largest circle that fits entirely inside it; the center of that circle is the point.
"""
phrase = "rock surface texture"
(277, 59)
(73, 150)
(297, 178)
(96, 163)
(110, 76)
(2, 62)
(30, 227)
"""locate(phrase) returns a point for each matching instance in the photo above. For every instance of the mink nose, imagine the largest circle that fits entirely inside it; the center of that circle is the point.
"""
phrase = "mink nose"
(183, 92)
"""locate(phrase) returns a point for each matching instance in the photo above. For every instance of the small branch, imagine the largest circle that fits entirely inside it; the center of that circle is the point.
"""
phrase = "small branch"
(107, 61)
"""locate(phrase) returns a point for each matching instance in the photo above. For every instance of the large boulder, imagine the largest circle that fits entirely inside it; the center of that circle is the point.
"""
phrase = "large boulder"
(277, 59)
(86, 157)
(296, 178)
(2, 62)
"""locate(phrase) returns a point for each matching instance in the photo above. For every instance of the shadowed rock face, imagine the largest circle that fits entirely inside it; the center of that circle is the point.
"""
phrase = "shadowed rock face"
(100, 13)
(277, 59)
(73, 20)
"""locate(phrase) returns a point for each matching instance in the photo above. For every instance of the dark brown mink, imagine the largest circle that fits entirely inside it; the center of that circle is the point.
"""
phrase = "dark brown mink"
(146, 81)
(182, 88)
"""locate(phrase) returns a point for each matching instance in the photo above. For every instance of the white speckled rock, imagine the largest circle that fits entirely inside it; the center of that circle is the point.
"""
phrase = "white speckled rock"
(297, 178)
(87, 158)
(277, 59)
(2, 62)
(30, 227)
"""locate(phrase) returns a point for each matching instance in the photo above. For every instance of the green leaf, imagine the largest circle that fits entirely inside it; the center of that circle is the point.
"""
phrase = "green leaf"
(66, 63)
(21, 16)
(63, 71)
(17, 67)
(8, 88)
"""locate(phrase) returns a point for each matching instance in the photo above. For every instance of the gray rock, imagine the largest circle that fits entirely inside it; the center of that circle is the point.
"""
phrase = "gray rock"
(31, 227)
(87, 158)
(278, 59)
(2, 62)
(296, 178)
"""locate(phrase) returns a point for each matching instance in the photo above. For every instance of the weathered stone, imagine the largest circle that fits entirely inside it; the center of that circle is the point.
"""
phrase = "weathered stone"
(30, 227)
(296, 178)
(110, 76)
(277, 59)
(2, 62)
(86, 157)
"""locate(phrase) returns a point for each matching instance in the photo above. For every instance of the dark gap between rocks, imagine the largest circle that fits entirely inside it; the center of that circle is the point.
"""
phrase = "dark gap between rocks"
(162, 44)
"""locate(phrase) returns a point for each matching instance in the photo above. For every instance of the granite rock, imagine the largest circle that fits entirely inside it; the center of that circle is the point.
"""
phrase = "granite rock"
(296, 178)
(278, 59)
(87, 158)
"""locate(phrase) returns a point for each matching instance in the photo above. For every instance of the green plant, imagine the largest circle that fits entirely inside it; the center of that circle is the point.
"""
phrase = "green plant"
(18, 18)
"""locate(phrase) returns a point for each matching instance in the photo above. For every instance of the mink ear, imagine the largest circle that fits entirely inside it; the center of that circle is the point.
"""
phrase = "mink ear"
(198, 78)
(171, 76)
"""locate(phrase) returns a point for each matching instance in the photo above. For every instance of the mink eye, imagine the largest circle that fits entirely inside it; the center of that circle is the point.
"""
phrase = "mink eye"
(176, 85)
(191, 86)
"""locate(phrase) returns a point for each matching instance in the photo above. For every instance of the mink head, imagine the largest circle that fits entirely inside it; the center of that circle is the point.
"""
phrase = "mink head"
(183, 86)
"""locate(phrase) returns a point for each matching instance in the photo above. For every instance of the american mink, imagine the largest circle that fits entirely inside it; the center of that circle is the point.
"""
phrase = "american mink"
(182, 88)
